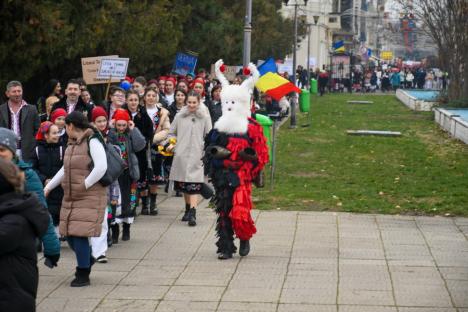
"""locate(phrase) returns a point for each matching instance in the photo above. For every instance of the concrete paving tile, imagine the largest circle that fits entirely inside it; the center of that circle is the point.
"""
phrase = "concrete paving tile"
(309, 295)
(408, 309)
(246, 306)
(126, 305)
(157, 275)
(194, 293)
(459, 292)
(288, 307)
(455, 273)
(90, 292)
(298, 282)
(204, 279)
(106, 277)
(451, 258)
(141, 291)
(422, 296)
(252, 294)
(365, 308)
(184, 306)
(417, 276)
(67, 305)
(356, 253)
(413, 262)
(48, 284)
(365, 297)
(115, 265)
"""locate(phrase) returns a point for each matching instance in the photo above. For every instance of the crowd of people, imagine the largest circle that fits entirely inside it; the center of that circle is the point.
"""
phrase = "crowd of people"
(64, 150)
(375, 79)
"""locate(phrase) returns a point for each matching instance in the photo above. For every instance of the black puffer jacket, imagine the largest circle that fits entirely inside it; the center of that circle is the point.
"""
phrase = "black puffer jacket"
(80, 106)
(22, 220)
(47, 161)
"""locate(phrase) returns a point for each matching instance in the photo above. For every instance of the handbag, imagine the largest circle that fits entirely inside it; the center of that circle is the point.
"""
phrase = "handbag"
(115, 164)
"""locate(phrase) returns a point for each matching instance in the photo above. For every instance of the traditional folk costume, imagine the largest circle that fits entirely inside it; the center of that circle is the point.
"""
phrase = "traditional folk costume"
(236, 152)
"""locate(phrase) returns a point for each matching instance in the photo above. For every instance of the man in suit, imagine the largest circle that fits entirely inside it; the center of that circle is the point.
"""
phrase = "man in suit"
(21, 118)
(72, 100)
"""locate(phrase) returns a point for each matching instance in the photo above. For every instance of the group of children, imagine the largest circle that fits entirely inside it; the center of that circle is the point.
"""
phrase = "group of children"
(138, 127)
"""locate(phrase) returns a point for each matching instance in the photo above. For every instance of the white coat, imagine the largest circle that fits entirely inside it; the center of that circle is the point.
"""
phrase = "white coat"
(190, 130)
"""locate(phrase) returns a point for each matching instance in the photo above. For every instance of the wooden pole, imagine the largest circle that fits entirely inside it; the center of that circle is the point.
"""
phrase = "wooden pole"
(107, 89)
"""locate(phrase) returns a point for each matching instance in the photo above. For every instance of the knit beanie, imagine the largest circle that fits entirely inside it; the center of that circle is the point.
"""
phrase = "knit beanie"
(121, 114)
(98, 111)
(59, 112)
(43, 129)
(172, 79)
(8, 139)
(198, 80)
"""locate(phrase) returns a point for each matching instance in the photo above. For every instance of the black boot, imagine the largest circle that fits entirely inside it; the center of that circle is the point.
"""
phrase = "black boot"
(81, 277)
(115, 233)
(109, 233)
(244, 248)
(224, 255)
(153, 208)
(144, 205)
(192, 217)
(126, 232)
(186, 214)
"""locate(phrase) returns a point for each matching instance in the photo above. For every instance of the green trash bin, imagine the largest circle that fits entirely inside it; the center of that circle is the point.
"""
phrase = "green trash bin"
(313, 86)
(304, 101)
(266, 124)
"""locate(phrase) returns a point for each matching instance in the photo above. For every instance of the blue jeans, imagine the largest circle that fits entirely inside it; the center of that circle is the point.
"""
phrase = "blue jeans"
(82, 249)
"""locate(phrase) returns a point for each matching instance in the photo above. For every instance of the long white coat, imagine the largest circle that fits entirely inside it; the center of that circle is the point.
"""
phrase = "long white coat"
(190, 130)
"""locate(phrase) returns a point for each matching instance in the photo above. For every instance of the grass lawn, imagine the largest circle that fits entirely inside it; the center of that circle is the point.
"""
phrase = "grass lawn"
(322, 168)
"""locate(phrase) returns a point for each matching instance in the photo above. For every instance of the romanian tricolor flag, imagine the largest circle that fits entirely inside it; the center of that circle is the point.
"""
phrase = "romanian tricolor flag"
(275, 86)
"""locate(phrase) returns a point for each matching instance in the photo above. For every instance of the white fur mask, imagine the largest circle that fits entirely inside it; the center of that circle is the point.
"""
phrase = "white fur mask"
(235, 101)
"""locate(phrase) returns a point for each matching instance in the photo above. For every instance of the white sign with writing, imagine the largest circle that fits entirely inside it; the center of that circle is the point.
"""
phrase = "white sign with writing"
(113, 67)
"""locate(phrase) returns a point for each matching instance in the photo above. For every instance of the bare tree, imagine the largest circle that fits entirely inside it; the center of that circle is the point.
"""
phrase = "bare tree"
(446, 22)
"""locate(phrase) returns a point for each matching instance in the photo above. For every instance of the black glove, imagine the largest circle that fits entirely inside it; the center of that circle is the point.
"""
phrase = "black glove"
(248, 154)
(51, 260)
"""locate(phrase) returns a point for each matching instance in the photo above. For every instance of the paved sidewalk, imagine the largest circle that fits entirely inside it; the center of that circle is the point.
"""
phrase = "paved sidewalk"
(300, 261)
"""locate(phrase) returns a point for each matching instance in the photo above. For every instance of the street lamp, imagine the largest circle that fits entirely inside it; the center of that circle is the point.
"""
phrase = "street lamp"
(247, 32)
(309, 28)
(294, 98)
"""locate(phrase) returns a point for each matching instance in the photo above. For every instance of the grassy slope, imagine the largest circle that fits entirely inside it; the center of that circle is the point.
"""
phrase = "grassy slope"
(322, 168)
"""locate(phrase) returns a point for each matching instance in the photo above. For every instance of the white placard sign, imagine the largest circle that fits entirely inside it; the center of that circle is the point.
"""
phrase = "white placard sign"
(113, 67)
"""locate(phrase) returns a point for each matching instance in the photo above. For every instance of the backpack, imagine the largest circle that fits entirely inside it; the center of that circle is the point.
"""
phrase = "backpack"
(115, 164)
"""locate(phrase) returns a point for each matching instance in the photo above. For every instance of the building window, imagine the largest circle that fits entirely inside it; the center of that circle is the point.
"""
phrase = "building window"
(332, 20)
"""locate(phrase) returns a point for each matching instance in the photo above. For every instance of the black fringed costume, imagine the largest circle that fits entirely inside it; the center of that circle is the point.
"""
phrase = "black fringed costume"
(232, 176)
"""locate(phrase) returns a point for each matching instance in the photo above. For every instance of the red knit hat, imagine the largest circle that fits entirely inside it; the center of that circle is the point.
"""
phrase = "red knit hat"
(198, 80)
(171, 79)
(98, 111)
(59, 112)
(162, 78)
(121, 114)
(43, 129)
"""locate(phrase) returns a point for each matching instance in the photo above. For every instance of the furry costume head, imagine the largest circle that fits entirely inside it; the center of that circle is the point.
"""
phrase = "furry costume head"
(235, 100)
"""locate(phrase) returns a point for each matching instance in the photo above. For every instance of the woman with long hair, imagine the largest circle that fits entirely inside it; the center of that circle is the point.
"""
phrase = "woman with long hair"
(159, 117)
(189, 129)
